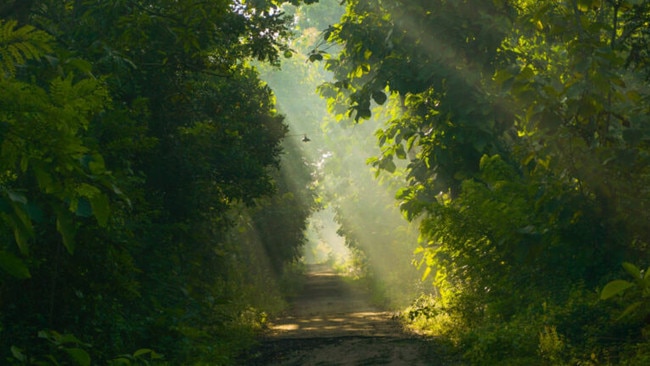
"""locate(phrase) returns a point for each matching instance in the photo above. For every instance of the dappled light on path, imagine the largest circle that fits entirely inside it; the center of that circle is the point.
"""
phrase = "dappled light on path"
(362, 323)
(331, 306)
(333, 323)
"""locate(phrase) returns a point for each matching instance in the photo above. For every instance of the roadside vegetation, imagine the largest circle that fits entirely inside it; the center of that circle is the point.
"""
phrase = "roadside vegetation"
(486, 165)
(520, 131)
(144, 214)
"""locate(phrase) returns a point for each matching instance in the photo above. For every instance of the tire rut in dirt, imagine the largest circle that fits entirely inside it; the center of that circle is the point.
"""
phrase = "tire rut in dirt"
(347, 351)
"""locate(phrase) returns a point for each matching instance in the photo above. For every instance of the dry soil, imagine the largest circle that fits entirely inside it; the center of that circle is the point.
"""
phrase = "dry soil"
(333, 323)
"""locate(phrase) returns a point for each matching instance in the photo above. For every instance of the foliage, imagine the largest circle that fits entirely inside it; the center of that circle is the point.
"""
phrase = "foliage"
(640, 287)
(68, 347)
(522, 127)
(374, 232)
(551, 344)
(132, 136)
(18, 45)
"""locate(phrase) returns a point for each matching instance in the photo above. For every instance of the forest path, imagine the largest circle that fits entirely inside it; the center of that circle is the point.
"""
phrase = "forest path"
(332, 323)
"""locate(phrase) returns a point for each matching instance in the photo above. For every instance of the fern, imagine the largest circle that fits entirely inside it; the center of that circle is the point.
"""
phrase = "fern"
(18, 45)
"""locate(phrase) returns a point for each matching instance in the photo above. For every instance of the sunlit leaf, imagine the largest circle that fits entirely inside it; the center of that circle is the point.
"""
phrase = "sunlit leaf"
(426, 273)
(399, 152)
(614, 288)
(585, 5)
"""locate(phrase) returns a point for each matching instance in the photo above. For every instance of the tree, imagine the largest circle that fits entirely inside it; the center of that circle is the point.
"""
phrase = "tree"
(135, 129)
(522, 126)
(364, 211)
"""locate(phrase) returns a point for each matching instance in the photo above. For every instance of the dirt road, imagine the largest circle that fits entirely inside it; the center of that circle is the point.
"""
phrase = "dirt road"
(332, 323)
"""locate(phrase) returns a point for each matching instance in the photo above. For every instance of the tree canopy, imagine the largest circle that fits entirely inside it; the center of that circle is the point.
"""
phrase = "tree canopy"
(149, 205)
(135, 139)
(524, 128)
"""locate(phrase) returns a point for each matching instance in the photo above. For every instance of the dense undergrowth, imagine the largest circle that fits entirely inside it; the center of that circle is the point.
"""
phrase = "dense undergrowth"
(145, 214)
(519, 131)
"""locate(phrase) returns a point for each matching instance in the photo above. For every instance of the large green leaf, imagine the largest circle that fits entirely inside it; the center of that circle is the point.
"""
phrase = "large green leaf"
(614, 288)
(100, 207)
(22, 227)
(379, 97)
(18, 354)
(80, 357)
(633, 270)
(13, 265)
(65, 226)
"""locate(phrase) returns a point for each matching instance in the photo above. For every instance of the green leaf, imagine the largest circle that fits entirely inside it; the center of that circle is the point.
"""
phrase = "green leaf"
(65, 226)
(97, 165)
(80, 357)
(100, 207)
(80, 64)
(16, 197)
(633, 270)
(21, 238)
(379, 97)
(399, 152)
(629, 310)
(614, 288)
(585, 5)
(18, 45)
(18, 354)
(426, 273)
(387, 165)
(146, 351)
(410, 142)
(22, 227)
(44, 180)
(362, 113)
(14, 265)
(141, 352)
(315, 57)
(403, 193)
(120, 361)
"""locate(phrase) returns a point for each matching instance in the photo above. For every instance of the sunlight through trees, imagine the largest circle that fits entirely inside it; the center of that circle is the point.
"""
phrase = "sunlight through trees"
(167, 168)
